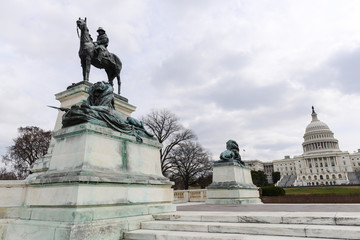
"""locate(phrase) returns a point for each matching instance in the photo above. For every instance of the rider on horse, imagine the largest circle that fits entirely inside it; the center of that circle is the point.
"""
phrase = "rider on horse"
(101, 44)
(96, 54)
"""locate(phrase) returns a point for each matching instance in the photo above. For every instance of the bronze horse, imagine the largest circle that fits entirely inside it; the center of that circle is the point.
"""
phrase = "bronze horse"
(87, 54)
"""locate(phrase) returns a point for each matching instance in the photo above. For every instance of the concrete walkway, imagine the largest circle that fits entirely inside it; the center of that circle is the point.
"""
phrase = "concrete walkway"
(270, 207)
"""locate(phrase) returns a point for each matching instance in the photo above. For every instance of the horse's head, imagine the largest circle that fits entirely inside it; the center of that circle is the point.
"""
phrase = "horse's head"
(81, 23)
(85, 35)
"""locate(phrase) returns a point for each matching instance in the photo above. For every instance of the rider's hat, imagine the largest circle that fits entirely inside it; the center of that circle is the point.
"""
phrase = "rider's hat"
(100, 29)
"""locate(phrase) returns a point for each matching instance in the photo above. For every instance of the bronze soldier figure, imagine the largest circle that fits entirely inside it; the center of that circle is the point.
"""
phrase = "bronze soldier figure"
(101, 44)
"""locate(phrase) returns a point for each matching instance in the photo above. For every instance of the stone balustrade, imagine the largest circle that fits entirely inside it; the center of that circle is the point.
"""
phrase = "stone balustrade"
(12, 193)
(195, 195)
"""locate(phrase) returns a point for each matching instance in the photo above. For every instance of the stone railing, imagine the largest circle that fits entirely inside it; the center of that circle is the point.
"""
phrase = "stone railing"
(12, 193)
(195, 195)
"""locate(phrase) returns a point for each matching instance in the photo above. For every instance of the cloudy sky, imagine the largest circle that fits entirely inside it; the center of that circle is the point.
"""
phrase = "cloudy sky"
(243, 70)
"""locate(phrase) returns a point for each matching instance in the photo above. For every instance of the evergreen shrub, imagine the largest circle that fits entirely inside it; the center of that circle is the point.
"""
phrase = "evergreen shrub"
(272, 191)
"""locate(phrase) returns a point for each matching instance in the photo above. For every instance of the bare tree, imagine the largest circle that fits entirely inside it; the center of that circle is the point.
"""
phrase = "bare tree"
(168, 130)
(206, 179)
(31, 144)
(7, 175)
(189, 163)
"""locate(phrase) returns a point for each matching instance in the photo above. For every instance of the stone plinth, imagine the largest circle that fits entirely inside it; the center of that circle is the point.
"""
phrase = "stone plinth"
(77, 93)
(103, 167)
(232, 184)
(98, 184)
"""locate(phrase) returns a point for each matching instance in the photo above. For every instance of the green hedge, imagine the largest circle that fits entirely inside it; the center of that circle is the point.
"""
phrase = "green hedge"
(272, 191)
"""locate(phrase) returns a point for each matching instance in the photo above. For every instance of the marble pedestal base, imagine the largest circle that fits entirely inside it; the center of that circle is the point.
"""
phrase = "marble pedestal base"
(96, 184)
(232, 184)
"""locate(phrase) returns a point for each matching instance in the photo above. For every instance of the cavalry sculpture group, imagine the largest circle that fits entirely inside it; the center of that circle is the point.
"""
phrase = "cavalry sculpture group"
(96, 54)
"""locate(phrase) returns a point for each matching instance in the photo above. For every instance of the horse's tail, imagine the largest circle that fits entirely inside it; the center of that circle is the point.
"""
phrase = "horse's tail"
(119, 82)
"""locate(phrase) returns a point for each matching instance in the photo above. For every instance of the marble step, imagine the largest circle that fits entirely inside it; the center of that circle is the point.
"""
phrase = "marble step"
(293, 230)
(144, 234)
(313, 218)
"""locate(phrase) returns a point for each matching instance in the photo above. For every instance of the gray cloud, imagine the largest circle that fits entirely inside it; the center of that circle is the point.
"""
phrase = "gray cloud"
(198, 65)
(236, 94)
(340, 71)
(346, 66)
(243, 70)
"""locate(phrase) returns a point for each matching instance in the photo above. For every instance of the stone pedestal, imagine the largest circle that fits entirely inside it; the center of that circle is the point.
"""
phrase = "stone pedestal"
(232, 184)
(77, 93)
(99, 183)
(94, 183)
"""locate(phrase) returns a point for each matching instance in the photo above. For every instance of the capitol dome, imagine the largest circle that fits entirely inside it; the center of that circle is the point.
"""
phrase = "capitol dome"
(318, 137)
(316, 124)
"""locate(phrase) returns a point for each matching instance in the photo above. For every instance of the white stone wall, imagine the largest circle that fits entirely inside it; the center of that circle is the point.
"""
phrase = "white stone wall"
(329, 168)
(354, 160)
(255, 165)
(285, 166)
(318, 169)
(266, 167)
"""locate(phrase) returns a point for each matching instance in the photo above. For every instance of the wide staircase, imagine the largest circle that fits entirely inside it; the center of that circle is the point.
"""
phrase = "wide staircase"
(354, 178)
(287, 181)
(249, 226)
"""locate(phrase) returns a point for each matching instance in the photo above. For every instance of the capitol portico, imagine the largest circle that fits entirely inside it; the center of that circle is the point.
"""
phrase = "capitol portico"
(322, 162)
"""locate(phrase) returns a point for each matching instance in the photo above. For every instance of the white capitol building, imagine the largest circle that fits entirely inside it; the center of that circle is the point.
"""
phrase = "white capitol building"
(322, 162)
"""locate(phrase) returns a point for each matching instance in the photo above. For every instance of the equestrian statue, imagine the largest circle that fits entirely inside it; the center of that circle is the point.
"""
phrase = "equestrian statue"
(96, 53)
